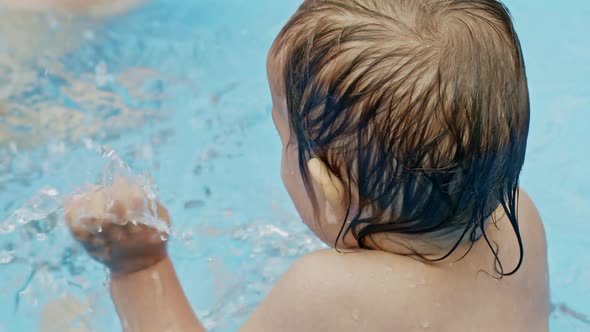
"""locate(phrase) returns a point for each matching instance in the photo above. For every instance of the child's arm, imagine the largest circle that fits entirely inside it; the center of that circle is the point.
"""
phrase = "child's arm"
(152, 299)
(144, 286)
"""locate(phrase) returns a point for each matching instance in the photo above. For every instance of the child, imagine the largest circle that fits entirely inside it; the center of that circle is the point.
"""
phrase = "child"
(404, 127)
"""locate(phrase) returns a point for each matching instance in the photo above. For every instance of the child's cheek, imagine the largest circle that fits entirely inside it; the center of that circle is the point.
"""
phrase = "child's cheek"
(289, 169)
(292, 179)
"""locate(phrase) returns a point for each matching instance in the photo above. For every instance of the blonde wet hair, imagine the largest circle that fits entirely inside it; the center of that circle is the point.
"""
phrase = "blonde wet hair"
(421, 106)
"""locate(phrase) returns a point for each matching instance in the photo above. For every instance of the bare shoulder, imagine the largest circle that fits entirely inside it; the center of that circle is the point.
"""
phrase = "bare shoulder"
(531, 224)
(306, 298)
(528, 287)
(532, 233)
(526, 206)
(331, 291)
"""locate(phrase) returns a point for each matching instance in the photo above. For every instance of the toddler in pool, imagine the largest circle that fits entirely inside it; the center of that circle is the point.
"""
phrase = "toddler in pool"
(404, 128)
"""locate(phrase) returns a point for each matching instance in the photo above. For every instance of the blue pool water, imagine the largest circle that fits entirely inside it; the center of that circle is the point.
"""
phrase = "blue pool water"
(178, 88)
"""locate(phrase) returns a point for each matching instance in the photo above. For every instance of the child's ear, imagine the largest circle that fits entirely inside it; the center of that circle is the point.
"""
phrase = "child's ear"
(332, 189)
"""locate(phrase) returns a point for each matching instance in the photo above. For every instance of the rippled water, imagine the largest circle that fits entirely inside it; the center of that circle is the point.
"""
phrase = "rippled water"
(178, 89)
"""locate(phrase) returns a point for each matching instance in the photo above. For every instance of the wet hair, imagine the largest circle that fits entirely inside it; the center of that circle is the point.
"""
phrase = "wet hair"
(421, 106)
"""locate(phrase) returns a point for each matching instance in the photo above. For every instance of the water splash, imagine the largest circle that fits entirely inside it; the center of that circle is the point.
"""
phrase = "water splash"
(36, 245)
(115, 168)
(37, 217)
(6, 256)
(102, 76)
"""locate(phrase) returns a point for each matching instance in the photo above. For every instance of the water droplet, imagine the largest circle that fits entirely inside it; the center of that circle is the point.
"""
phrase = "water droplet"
(101, 74)
(424, 324)
(88, 143)
(13, 147)
(356, 314)
(164, 237)
(7, 228)
(106, 151)
(99, 229)
(158, 283)
(50, 191)
(89, 34)
(6, 256)
(186, 236)
(53, 22)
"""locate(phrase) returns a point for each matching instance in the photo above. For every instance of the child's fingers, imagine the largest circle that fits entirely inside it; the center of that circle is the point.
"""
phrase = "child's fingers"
(120, 210)
(86, 229)
(81, 206)
(100, 252)
(123, 189)
(163, 214)
(118, 233)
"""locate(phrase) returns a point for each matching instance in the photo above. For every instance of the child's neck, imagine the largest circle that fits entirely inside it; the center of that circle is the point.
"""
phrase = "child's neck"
(427, 250)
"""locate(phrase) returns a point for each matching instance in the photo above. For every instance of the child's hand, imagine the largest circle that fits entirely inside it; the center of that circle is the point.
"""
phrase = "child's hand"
(111, 225)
